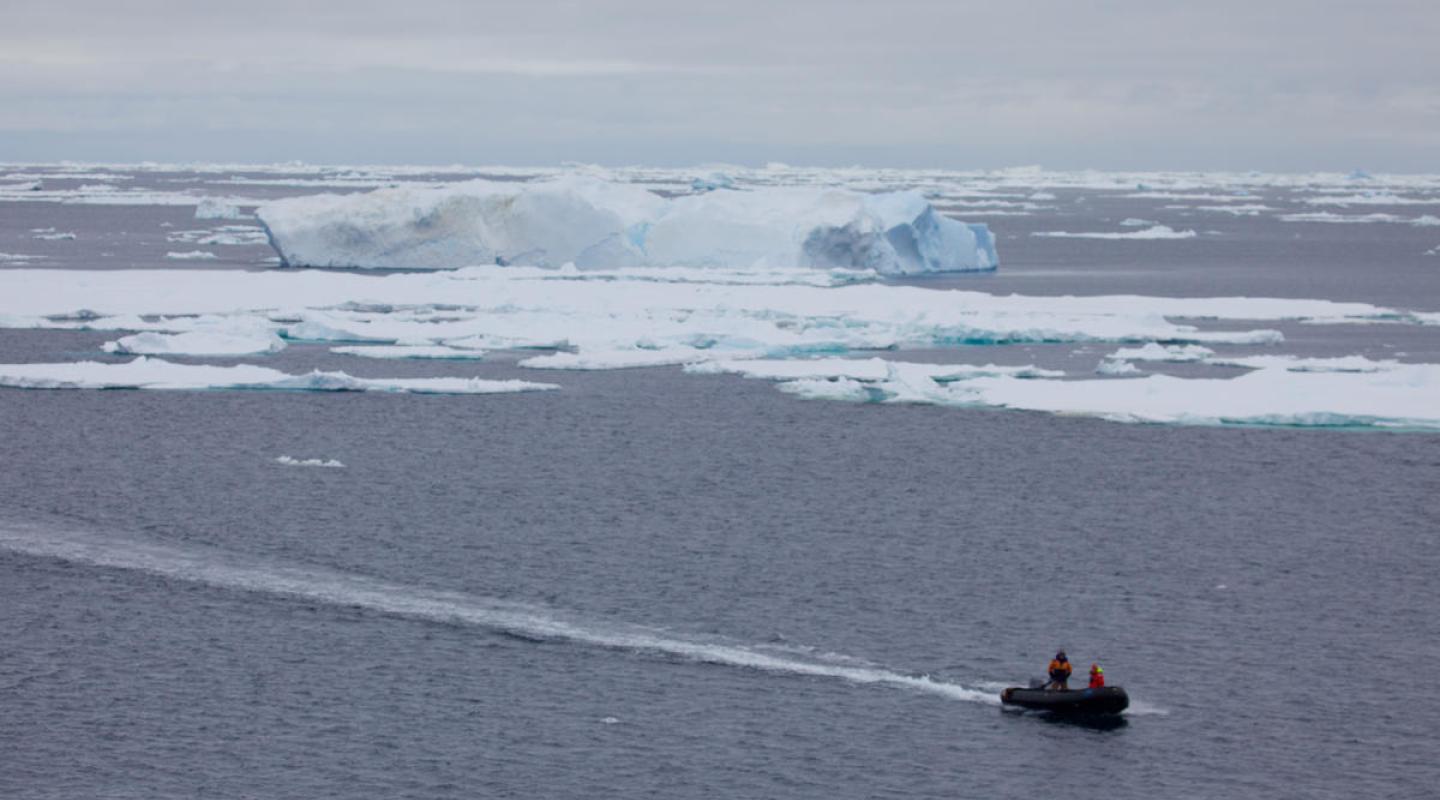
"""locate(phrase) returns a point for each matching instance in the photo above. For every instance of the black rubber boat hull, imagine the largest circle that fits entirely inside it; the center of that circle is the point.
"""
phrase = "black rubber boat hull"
(1077, 702)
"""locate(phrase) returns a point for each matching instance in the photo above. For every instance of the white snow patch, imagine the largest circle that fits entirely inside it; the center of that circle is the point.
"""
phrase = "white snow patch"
(191, 255)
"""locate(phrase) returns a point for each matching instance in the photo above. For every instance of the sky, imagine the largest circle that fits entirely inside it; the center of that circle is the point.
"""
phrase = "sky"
(1279, 85)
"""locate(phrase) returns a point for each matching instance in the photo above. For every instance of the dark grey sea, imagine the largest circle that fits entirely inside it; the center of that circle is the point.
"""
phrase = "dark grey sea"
(653, 584)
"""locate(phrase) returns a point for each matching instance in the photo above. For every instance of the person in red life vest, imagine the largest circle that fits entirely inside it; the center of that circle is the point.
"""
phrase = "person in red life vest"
(1097, 677)
(1059, 672)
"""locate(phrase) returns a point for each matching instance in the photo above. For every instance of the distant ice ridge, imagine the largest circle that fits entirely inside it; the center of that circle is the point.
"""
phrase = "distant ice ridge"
(599, 224)
(153, 373)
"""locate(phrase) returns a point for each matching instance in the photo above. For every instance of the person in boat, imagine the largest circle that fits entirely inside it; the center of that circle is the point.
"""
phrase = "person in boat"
(1059, 672)
(1097, 677)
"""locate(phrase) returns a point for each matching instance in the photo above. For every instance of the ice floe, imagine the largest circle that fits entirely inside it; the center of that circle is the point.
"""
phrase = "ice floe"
(50, 234)
(191, 255)
(1158, 352)
(154, 373)
(1360, 219)
(1109, 367)
(598, 224)
(223, 235)
(1153, 232)
(410, 351)
(290, 461)
(198, 343)
(803, 334)
(212, 208)
(1397, 396)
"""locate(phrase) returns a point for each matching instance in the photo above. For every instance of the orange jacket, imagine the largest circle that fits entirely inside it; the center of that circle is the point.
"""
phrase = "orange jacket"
(1059, 669)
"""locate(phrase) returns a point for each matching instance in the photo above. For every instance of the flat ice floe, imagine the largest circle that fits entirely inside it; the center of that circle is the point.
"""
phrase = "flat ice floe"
(1153, 232)
(801, 333)
(1398, 396)
(234, 342)
(599, 224)
(154, 373)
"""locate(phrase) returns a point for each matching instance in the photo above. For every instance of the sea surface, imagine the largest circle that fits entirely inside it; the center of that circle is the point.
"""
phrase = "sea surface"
(654, 584)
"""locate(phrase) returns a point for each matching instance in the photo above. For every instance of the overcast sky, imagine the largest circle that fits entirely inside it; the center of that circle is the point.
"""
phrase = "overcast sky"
(1213, 84)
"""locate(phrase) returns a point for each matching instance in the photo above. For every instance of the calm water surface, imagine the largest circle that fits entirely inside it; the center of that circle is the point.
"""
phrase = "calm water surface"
(652, 584)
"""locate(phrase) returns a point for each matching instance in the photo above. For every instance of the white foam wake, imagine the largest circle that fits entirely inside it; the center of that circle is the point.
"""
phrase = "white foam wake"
(230, 571)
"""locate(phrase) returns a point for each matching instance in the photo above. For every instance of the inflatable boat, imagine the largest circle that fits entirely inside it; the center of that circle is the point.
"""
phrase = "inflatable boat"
(1077, 702)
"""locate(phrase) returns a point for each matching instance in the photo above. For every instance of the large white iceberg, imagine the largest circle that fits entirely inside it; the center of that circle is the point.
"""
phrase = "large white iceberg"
(597, 224)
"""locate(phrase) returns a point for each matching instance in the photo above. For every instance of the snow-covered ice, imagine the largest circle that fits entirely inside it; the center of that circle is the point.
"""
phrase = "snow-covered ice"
(154, 373)
(191, 255)
(597, 224)
(199, 343)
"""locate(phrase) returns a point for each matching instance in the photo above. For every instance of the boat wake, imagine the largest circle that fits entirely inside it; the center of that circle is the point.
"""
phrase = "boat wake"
(225, 570)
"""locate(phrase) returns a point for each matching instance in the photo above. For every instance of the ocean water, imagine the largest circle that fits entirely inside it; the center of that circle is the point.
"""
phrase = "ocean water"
(652, 584)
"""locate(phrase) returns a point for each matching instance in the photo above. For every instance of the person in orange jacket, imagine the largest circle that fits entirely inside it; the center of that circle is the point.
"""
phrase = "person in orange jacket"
(1059, 672)
(1097, 677)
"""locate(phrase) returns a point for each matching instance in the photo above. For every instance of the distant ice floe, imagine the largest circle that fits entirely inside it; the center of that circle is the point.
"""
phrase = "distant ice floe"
(191, 255)
(223, 235)
(213, 208)
(1400, 396)
(1247, 210)
(1158, 352)
(1360, 219)
(52, 235)
(1116, 368)
(599, 224)
(1154, 232)
(240, 341)
(1370, 199)
(154, 373)
(309, 462)
(410, 351)
(18, 258)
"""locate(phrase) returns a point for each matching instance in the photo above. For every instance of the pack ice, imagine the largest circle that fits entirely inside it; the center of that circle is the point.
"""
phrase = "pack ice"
(599, 224)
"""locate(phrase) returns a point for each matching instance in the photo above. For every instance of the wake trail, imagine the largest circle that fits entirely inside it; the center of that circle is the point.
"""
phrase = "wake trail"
(232, 571)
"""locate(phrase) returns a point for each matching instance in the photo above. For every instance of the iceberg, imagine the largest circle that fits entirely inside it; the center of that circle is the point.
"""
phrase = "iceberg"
(154, 373)
(598, 224)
